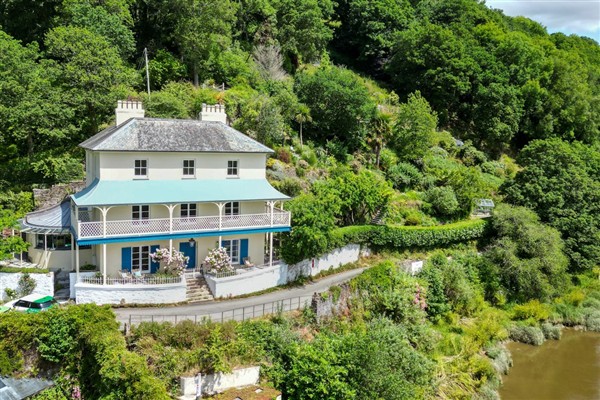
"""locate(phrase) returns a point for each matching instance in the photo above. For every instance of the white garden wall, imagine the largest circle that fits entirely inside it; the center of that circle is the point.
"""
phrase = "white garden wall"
(215, 383)
(44, 283)
(73, 281)
(268, 277)
(130, 294)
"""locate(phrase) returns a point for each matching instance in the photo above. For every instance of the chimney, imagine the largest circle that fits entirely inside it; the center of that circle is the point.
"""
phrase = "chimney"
(213, 113)
(128, 109)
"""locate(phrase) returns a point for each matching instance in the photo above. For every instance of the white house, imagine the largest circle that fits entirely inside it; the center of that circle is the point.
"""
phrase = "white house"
(155, 183)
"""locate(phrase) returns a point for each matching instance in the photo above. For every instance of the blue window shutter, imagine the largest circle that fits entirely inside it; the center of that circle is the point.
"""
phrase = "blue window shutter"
(154, 265)
(243, 250)
(126, 258)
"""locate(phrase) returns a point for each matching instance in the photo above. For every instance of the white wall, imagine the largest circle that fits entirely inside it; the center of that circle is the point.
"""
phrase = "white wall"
(215, 383)
(169, 166)
(73, 281)
(268, 277)
(131, 294)
(44, 283)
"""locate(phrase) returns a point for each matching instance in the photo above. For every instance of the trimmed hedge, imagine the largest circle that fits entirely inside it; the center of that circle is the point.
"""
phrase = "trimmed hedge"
(405, 237)
(18, 270)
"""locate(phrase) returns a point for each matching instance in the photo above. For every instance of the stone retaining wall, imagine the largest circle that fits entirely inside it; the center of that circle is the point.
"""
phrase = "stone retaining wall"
(44, 283)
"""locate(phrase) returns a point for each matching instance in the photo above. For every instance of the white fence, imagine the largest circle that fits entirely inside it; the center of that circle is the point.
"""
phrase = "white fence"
(96, 229)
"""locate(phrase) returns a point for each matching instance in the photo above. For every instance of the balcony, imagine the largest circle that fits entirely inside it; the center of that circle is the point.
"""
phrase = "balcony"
(157, 226)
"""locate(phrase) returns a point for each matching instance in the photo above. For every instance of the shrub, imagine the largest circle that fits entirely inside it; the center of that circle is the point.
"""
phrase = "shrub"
(501, 358)
(26, 285)
(527, 334)
(569, 315)
(404, 176)
(443, 200)
(531, 310)
(284, 155)
(591, 302)
(289, 186)
(551, 332)
(592, 320)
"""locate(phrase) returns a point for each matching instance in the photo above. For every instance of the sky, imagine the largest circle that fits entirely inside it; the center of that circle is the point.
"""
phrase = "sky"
(581, 17)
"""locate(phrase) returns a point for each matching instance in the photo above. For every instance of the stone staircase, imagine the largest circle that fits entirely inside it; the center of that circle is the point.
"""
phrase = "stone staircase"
(378, 217)
(62, 288)
(197, 289)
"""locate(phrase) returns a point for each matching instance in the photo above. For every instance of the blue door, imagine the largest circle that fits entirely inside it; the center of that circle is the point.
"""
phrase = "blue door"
(189, 251)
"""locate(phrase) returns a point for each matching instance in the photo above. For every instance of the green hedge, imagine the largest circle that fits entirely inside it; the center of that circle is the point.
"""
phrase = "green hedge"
(406, 237)
(16, 270)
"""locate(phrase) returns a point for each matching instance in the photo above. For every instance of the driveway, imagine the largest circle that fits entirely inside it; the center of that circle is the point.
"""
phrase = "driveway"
(238, 309)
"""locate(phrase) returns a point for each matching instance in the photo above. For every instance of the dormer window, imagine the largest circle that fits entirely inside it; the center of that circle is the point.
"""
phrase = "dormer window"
(232, 168)
(189, 168)
(141, 168)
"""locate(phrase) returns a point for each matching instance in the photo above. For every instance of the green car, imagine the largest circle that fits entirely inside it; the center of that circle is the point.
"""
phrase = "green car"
(34, 303)
(4, 309)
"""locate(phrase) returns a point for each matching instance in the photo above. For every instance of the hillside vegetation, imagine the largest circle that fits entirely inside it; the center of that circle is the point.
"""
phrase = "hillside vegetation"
(388, 118)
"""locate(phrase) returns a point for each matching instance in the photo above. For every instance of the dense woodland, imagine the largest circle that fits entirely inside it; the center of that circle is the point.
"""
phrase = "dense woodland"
(397, 111)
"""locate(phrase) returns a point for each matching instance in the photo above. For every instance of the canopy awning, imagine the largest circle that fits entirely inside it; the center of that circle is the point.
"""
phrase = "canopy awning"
(113, 193)
(54, 220)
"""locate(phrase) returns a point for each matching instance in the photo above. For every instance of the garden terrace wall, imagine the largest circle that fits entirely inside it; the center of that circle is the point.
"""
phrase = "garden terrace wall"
(219, 382)
(131, 294)
(44, 283)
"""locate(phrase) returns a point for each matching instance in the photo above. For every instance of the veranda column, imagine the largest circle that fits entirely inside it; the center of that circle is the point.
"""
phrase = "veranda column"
(104, 263)
(220, 205)
(171, 208)
(72, 252)
(270, 249)
(271, 205)
(77, 261)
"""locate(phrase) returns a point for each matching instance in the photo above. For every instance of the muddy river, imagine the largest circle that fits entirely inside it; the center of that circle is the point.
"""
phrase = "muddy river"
(558, 370)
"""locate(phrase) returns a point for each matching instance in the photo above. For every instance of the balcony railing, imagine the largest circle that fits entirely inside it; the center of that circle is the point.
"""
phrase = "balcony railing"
(97, 229)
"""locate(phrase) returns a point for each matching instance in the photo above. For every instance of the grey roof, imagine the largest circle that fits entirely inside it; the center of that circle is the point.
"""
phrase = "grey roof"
(55, 219)
(18, 389)
(180, 135)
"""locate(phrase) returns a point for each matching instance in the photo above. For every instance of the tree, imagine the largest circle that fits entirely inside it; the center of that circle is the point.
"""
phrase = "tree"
(340, 105)
(413, 132)
(302, 117)
(368, 28)
(302, 29)
(525, 259)
(11, 244)
(380, 132)
(561, 182)
(202, 30)
(90, 73)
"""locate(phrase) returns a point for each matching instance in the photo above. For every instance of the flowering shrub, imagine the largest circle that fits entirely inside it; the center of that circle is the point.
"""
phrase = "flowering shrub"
(218, 260)
(173, 263)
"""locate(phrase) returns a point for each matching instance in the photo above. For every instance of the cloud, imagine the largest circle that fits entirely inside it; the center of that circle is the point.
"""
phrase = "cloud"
(569, 16)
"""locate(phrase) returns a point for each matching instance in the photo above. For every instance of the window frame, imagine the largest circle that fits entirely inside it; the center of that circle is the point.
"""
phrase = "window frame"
(191, 210)
(141, 259)
(234, 209)
(233, 168)
(141, 209)
(230, 245)
(141, 168)
(193, 168)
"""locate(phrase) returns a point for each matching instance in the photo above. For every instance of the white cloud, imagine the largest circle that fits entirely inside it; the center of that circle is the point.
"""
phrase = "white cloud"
(569, 16)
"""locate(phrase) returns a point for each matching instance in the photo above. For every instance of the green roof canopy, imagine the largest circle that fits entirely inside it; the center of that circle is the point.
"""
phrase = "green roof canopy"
(113, 193)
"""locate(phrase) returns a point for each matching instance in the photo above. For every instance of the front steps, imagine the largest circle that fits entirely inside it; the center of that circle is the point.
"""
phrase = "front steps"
(62, 285)
(197, 289)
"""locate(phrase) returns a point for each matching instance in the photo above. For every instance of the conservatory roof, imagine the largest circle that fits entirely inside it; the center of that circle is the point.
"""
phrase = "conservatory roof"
(484, 202)
(55, 220)
(113, 193)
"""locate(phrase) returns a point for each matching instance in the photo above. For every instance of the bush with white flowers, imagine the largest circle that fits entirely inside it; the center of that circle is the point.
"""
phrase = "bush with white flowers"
(218, 260)
(172, 263)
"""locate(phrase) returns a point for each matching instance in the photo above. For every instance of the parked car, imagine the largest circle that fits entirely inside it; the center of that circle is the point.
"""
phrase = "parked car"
(34, 303)
(4, 309)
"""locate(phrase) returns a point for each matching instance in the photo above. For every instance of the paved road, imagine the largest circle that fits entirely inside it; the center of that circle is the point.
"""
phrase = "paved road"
(294, 296)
